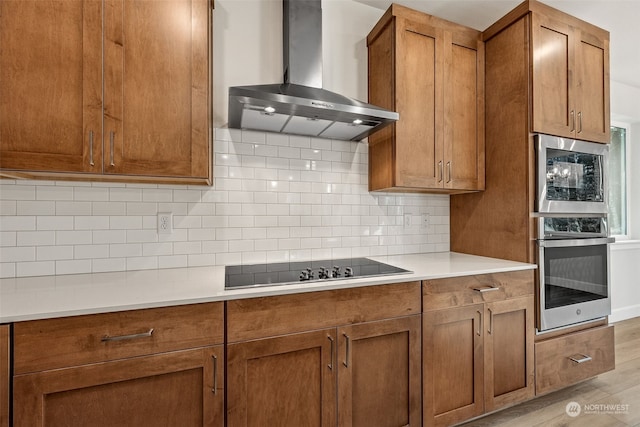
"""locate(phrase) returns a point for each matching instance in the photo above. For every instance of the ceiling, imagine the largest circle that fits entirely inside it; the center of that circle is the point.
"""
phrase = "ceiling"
(619, 17)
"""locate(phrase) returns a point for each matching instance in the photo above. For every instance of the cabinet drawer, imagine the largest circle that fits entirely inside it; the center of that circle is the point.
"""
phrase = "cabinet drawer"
(72, 341)
(466, 290)
(554, 367)
(264, 317)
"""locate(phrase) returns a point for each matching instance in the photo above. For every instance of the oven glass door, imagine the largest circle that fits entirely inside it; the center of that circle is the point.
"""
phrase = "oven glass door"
(574, 275)
(571, 175)
(574, 281)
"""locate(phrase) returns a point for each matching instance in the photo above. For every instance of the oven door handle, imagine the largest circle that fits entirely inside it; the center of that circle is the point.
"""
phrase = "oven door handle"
(562, 243)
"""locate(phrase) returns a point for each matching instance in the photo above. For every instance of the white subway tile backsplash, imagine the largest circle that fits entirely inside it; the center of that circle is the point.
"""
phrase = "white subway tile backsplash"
(17, 192)
(36, 238)
(108, 264)
(17, 223)
(7, 270)
(53, 253)
(8, 238)
(109, 208)
(54, 222)
(92, 193)
(17, 254)
(275, 198)
(125, 222)
(141, 236)
(142, 263)
(74, 237)
(38, 268)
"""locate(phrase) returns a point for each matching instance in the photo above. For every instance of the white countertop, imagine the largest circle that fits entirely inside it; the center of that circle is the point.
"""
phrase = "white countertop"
(43, 297)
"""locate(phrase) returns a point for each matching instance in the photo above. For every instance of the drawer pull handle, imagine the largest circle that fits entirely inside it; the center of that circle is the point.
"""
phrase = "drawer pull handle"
(112, 136)
(580, 358)
(91, 148)
(487, 289)
(348, 351)
(330, 365)
(214, 358)
(490, 321)
(147, 334)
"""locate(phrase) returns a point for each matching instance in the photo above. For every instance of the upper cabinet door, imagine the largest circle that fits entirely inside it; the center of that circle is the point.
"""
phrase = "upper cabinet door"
(156, 88)
(51, 85)
(570, 79)
(419, 73)
(463, 112)
(592, 71)
(553, 58)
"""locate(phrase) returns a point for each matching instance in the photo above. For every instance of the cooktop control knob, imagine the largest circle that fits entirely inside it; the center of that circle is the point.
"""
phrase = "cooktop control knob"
(323, 273)
(306, 275)
(348, 272)
(336, 271)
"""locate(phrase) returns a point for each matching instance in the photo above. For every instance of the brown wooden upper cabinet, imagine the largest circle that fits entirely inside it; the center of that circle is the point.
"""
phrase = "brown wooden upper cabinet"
(570, 76)
(431, 72)
(128, 100)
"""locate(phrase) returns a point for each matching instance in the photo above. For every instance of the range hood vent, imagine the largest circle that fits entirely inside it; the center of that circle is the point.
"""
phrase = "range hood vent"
(300, 106)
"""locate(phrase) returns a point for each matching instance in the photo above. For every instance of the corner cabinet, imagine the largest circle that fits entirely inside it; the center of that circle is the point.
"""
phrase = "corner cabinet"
(147, 367)
(321, 359)
(487, 321)
(106, 90)
(431, 72)
(570, 77)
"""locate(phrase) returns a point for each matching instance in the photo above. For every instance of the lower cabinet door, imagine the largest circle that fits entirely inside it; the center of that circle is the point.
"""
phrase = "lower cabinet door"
(452, 349)
(509, 352)
(181, 388)
(283, 381)
(4, 375)
(379, 371)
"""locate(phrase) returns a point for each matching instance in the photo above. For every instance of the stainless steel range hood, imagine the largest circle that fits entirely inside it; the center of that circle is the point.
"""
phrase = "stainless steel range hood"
(300, 105)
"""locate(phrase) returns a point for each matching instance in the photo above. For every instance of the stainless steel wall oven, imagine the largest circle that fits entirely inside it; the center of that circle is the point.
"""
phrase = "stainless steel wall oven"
(573, 237)
(573, 264)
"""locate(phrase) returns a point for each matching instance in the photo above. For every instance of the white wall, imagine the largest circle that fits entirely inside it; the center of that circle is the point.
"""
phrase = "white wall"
(625, 255)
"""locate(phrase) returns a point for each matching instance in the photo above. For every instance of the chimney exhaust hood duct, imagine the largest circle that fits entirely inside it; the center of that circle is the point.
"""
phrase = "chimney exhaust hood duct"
(300, 105)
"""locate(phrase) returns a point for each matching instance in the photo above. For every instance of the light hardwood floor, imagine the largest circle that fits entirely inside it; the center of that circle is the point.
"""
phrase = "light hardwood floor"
(618, 387)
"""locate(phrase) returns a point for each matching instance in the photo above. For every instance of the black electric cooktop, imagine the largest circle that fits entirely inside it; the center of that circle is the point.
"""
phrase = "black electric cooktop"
(286, 273)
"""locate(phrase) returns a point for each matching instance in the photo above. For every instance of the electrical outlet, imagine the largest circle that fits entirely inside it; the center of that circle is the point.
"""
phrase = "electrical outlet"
(165, 223)
(426, 220)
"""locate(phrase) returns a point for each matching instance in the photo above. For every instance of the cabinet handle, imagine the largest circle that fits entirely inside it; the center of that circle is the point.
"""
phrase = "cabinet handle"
(330, 365)
(487, 289)
(479, 331)
(448, 172)
(573, 121)
(348, 351)
(579, 121)
(112, 136)
(147, 334)
(580, 358)
(91, 148)
(440, 171)
(490, 330)
(214, 360)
